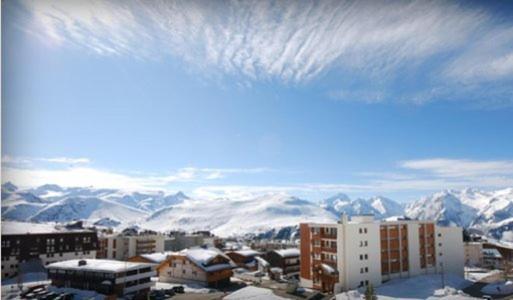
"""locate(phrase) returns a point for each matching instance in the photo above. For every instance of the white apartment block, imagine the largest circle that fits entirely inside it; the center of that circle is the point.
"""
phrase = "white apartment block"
(353, 254)
(122, 247)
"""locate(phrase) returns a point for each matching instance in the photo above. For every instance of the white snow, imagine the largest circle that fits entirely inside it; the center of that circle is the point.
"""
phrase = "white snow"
(253, 293)
(188, 287)
(101, 265)
(291, 252)
(14, 227)
(499, 288)
(419, 287)
(247, 252)
(157, 257)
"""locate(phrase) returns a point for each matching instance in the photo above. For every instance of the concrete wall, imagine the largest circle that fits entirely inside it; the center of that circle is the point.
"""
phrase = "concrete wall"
(449, 250)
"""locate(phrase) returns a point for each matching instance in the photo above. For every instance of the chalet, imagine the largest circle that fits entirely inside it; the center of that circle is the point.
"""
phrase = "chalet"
(207, 267)
(109, 277)
(157, 259)
(244, 258)
(285, 259)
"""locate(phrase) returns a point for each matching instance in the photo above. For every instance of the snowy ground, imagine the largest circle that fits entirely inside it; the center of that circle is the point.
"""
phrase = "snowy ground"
(498, 288)
(26, 278)
(419, 287)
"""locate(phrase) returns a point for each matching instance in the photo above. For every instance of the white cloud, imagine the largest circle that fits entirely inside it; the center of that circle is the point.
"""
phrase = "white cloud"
(490, 58)
(69, 172)
(460, 167)
(291, 41)
(7, 159)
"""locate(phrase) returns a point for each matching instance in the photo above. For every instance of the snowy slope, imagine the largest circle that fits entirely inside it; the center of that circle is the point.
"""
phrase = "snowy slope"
(380, 207)
(488, 211)
(227, 217)
(84, 208)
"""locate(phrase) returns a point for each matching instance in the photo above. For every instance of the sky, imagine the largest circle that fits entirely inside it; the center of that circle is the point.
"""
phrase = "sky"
(234, 99)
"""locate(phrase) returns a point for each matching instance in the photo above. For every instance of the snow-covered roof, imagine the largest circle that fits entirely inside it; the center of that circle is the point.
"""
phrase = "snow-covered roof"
(202, 257)
(99, 265)
(288, 252)
(255, 293)
(157, 257)
(15, 227)
(247, 252)
(328, 269)
(491, 252)
(264, 263)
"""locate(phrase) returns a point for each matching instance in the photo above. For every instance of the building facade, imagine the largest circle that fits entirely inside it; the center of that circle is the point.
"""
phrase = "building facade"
(123, 246)
(473, 254)
(285, 259)
(207, 267)
(244, 258)
(353, 254)
(108, 277)
(45, 244)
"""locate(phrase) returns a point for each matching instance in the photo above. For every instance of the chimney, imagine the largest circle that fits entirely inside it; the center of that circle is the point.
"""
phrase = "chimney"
(343, 218)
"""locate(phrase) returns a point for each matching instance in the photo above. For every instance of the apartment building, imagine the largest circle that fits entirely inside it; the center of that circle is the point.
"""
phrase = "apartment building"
(109, 277)
(353, 254)
(124, 245)
(36, 245)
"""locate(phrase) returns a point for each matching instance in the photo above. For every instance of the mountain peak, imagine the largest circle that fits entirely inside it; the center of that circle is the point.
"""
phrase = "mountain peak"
(9, 186)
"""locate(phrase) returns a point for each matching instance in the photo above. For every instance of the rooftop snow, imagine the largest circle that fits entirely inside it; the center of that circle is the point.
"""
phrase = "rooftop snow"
(99, 265)
(157, 257)
(247, 252)
(252, 292)
(15, 227)
(202, 257)
(288, 252)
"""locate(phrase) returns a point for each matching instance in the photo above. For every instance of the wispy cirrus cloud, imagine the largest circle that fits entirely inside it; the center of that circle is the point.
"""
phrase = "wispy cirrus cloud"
(289, 41)
(7, 159)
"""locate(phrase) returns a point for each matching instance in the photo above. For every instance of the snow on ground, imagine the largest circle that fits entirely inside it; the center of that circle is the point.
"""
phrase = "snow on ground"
(188, 287)
(253, 293)
(477, 274)
(27, 278)
(419, 287)
(499, 288)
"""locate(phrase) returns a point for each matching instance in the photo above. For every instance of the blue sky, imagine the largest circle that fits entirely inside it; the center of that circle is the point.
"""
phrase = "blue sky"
(236, 99)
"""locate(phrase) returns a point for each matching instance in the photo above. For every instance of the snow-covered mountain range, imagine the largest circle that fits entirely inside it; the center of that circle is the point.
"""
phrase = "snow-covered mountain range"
(488, 211)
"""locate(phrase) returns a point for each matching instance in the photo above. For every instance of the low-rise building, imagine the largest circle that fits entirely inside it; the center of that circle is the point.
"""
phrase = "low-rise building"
(157, 259)
(288, 260)
(43, 244)
(208, 267)
(124, 245)
(353, 254)
(178, 240)
(473, 254)
(108, 277)
(492, 258)
(244, 258)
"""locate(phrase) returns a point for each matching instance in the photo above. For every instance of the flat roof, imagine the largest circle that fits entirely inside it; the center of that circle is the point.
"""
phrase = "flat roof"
(98, 265)
(18, 228)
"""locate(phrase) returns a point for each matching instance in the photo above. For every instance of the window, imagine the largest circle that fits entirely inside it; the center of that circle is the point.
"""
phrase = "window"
(365, 230)
(439, 235)
(439, 244)
(366, 270)
(183, 271)
(360, 230)
(366, 282)
(361, 257)
(365, 243)
(366, 256)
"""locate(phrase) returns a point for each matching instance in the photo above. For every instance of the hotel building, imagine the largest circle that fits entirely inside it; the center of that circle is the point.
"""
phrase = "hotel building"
(353, 254)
